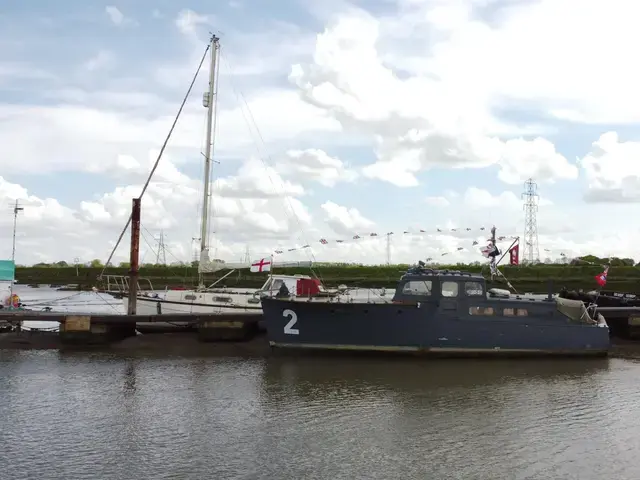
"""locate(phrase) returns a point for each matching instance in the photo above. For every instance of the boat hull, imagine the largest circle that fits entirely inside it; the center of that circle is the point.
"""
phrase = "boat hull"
(160, 306)
(410, 329)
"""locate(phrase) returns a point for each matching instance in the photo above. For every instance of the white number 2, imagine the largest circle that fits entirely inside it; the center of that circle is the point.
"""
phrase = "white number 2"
(293, 318)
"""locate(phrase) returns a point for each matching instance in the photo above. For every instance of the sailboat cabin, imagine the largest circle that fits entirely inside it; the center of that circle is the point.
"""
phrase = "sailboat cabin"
(294, 285)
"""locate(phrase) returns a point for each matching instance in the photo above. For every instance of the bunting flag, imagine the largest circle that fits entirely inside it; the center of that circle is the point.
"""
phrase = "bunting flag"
(359, 237)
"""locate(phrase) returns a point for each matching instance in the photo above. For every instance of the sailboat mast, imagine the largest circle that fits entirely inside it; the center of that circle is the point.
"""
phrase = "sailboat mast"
(209, 102)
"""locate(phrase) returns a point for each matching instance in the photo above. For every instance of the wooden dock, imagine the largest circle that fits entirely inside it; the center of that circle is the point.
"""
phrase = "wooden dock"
(108, 328)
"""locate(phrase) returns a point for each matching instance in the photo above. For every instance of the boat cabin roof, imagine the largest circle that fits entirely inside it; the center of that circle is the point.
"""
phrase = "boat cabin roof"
(420, 274)
(426, 284)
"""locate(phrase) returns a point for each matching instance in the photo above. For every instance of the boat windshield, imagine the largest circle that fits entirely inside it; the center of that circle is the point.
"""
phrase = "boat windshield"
(417, 287)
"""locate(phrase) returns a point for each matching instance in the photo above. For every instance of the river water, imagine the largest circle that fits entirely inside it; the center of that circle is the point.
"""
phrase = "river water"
(78, 415)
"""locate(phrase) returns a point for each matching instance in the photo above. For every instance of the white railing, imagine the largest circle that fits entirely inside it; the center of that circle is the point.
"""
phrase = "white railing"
(120, 283)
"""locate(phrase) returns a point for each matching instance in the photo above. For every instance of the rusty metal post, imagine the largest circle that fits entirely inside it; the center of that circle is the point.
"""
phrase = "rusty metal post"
(135, 254)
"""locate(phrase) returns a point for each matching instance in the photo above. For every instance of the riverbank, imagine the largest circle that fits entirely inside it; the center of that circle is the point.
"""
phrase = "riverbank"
(524, 278)
(164, 345)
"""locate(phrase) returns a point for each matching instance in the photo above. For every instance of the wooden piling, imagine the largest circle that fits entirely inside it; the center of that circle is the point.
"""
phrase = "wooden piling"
(134, 270)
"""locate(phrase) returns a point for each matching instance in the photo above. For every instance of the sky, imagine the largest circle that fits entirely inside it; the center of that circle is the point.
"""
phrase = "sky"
(335, 120)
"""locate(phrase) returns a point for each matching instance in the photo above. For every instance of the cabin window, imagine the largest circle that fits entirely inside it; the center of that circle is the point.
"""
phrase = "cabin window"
(449, 289)
(481, 311)
(515, 312)
(417, 287)
(276, 284)
(473, 289)
(189, 297)
(222, 299)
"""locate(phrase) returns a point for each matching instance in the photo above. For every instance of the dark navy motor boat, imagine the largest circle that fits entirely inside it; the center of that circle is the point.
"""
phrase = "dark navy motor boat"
(438, 312)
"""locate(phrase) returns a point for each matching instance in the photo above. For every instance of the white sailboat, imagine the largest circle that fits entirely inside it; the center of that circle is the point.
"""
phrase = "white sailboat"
(212, 300)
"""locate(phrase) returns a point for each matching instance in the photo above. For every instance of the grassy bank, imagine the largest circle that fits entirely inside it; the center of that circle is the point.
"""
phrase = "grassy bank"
(524, 278)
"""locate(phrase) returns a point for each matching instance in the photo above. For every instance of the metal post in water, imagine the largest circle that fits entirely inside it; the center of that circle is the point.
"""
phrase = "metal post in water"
(135, 253)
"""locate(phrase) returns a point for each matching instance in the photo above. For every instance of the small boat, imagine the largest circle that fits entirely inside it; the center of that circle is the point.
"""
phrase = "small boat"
(603, 298)
(438, 312)
(9, 301)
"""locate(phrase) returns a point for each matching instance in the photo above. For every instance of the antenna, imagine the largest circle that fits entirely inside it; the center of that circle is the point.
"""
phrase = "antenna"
(16, 210)
(530, 196)
(389, 248)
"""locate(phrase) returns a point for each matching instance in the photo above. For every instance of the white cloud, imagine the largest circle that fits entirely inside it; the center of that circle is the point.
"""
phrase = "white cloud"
(102, 60)
(117, 17)
(437, 201)
(345, 220)
(314, 164)
(114, 123)
(479, 199)
(114, 14)
(255, 180)
(188, 22)
(612, 170)
(420, 123)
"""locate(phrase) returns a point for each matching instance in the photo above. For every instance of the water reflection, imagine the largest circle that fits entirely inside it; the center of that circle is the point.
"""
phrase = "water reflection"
(99, 415)
(129, 387)
(411, 374)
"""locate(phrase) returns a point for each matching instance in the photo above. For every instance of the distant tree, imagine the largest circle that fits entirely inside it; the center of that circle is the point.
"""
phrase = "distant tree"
(61, 263)
(590, 258)
(620, 262)
(95, 263)
(124, 265)
(195, 263)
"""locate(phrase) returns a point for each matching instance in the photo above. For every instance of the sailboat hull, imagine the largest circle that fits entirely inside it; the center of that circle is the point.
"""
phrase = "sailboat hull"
(204, 303)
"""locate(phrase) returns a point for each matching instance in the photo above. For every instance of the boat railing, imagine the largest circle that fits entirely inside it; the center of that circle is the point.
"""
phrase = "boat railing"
(120, 283)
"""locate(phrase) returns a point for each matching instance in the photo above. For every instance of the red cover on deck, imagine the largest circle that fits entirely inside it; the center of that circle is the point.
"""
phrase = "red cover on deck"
(307, 286)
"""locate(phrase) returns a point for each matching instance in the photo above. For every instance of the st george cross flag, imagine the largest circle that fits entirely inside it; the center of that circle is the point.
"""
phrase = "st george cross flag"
(514, 255)
(262, 265)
